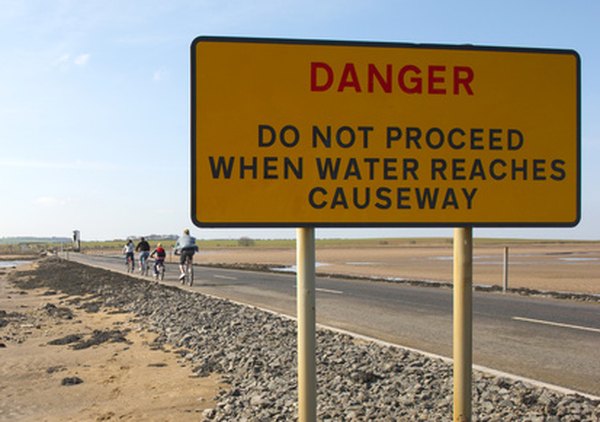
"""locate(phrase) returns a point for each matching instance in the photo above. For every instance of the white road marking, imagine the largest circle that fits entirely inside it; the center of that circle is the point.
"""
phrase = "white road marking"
(557, 324)
(335, 292)
(225, 277)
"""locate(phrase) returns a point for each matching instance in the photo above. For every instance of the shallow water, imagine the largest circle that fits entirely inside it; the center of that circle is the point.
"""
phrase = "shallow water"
(12, 264)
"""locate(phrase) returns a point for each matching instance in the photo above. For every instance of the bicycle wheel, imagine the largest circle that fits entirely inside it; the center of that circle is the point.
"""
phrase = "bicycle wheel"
(189, 272)
(185, 273)
(161, 272)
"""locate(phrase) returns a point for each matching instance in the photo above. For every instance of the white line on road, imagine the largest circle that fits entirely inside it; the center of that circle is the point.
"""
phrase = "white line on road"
(225, 277)
(557, 324)
(335, 292)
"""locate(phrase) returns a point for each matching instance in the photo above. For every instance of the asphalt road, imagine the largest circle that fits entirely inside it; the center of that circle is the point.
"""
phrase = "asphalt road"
(549, 340)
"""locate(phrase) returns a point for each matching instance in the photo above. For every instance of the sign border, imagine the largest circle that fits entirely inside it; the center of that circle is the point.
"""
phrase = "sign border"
(376, 44)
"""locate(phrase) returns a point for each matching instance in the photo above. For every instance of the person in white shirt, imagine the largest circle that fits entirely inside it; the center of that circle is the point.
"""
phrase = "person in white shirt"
(185, 247)
(128, 250)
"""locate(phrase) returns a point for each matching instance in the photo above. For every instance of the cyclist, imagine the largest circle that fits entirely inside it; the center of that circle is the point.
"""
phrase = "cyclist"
(144, 249)
(185, 247)
(128, 250)
(161, 254)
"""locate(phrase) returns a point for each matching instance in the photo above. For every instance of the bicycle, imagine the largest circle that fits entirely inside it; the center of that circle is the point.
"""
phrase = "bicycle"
(188, 268)
(129, 264)
(144, 265)
(159, 273)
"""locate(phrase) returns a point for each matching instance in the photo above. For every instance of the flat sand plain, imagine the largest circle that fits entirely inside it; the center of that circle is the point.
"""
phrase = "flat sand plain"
(561, 266)
(123, 380)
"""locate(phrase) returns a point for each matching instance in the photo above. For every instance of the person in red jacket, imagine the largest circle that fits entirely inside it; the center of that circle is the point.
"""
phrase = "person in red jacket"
(161, 254)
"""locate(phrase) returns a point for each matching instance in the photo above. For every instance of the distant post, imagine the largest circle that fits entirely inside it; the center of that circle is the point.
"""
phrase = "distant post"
(76, 241)
(505, 271)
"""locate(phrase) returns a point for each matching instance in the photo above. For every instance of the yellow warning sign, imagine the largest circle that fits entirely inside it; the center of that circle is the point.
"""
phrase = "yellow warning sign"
(288, 133)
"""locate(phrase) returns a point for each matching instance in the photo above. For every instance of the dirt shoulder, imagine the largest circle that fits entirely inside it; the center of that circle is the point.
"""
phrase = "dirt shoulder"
(63, 362)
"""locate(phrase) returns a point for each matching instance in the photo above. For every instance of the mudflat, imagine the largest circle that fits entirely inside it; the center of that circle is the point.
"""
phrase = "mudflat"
(547, 266)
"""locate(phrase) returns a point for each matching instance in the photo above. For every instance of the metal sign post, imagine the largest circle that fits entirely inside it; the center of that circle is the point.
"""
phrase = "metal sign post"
(305, 281)
(463, 326)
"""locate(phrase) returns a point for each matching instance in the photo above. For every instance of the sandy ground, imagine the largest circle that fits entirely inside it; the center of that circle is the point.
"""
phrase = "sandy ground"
(563, 267)
(124, 380)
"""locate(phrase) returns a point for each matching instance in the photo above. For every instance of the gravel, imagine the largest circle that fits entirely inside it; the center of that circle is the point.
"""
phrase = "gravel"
(255, 353)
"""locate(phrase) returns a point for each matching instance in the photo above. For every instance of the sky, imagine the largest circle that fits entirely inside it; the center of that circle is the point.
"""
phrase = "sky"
(95, 100)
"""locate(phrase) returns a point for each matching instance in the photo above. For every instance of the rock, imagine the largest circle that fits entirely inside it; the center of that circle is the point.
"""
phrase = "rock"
(99, 337)
(71, 338)
(54, 311)
(365, 377)
(258, 400)
(54, 369)
(208, 413)
(71, 381)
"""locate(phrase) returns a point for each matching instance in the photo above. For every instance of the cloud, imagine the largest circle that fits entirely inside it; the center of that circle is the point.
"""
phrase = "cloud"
(50, 201)
(65, 61)
(160, 74)
(82, 59)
